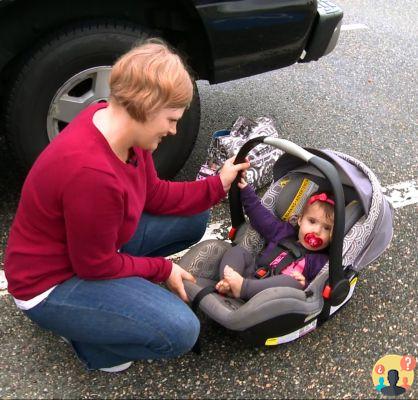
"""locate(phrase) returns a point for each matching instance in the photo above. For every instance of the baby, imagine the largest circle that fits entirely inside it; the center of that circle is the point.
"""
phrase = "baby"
(315, 223)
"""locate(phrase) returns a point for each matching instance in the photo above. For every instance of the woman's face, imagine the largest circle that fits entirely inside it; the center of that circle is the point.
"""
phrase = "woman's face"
(158, 125)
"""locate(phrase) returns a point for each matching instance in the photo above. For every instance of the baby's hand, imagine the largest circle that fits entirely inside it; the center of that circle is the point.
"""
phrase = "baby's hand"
(242, 183)
(299, 277)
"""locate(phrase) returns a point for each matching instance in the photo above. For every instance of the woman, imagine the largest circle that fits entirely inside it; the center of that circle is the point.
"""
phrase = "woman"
(94, 222)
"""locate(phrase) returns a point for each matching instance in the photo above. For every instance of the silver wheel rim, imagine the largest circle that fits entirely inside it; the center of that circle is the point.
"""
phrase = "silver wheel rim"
(87, 87)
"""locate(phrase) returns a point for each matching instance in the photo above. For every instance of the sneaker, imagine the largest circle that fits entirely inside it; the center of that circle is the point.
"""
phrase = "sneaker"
(117, 368)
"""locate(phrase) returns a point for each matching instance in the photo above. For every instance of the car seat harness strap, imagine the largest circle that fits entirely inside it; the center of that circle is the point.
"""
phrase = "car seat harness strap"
(200, 295)
(195, 305)
(293, 253)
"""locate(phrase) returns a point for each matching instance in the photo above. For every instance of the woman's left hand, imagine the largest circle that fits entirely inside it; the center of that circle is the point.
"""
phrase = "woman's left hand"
(175, 281)
(229, 172)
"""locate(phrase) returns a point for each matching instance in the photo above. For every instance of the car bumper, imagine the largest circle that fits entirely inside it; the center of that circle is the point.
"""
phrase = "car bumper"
(325, 31)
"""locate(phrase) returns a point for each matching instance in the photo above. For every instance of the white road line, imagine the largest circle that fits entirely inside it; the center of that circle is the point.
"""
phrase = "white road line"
(353, 27)
(400, 194)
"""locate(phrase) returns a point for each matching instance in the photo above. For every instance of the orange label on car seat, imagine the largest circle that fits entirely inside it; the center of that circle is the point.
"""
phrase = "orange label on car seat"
(302, 189)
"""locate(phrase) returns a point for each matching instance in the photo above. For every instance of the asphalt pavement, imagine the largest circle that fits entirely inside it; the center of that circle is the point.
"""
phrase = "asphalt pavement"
(361, 100)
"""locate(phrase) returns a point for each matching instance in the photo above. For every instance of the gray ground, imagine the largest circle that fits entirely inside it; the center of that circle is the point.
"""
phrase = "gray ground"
(361, 99)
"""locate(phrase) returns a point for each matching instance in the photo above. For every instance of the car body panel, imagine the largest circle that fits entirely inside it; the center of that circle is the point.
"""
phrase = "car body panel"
(249, 37)
(226, 39)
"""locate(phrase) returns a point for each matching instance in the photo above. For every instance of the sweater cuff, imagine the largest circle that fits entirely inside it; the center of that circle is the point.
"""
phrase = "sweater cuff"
(167, 266)
(218, 185)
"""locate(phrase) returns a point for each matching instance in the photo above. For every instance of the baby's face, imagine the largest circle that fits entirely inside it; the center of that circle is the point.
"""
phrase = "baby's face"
(315, 229)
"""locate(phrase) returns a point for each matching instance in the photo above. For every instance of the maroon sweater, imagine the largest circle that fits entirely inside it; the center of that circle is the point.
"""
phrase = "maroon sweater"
(80, 203)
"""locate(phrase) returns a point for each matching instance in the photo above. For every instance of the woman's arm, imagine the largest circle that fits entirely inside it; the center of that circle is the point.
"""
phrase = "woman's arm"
(93, 211)
(179, 198)
(187, 198)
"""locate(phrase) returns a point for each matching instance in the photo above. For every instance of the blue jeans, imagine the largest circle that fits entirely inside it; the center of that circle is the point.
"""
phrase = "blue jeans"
(110, 322)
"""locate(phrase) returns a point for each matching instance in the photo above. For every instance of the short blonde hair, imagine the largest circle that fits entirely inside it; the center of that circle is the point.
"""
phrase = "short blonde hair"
(148, 78)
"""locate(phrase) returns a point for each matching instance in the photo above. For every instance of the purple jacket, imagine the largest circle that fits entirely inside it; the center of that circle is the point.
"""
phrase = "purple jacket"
(273, 230)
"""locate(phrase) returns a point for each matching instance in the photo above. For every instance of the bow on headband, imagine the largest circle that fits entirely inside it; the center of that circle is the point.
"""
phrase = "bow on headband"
(321, 197)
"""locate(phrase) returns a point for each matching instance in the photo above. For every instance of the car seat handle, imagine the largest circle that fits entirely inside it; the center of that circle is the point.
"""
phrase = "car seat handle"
(234, 195)
(337, 279)
(235, 204)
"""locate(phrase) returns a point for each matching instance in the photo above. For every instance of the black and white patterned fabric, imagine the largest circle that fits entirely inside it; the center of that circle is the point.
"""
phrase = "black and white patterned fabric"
(203, 259)
(358, 243)
(262, 157)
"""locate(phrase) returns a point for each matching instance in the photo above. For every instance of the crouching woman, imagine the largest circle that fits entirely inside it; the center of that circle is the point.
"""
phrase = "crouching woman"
(94, 223)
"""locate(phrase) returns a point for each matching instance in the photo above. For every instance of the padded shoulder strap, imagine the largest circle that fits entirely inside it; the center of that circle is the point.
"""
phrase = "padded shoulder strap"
(290, 247)
(293, 253)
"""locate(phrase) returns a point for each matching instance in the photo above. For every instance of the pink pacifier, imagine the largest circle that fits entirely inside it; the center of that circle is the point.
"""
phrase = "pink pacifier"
(313, 240)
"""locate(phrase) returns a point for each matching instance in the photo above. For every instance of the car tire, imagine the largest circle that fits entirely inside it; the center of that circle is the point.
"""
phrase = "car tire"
(63, 67)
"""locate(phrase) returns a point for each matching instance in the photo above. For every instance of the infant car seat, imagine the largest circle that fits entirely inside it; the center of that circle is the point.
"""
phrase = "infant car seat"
(362, 231)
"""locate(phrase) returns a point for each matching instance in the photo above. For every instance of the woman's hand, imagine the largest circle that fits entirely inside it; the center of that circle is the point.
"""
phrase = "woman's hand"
(229, 172)
(175, 281)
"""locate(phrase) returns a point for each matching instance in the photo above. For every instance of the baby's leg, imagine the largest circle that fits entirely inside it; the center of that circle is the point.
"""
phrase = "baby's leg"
(251, 287)
(234, 280)
(237, 258)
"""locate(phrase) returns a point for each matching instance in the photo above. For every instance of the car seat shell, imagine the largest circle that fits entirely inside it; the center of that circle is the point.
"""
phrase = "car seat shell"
(289, 312)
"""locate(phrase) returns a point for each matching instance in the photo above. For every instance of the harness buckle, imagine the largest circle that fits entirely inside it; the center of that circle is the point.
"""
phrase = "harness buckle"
(263, 272)
(231, 234)
(326, 293)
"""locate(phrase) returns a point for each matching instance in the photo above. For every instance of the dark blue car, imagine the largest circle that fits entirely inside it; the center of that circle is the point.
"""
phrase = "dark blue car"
(55, 55)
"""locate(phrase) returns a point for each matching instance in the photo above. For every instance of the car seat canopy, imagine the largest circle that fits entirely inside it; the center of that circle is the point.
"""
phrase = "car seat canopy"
(351, 175)
(368, 236)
